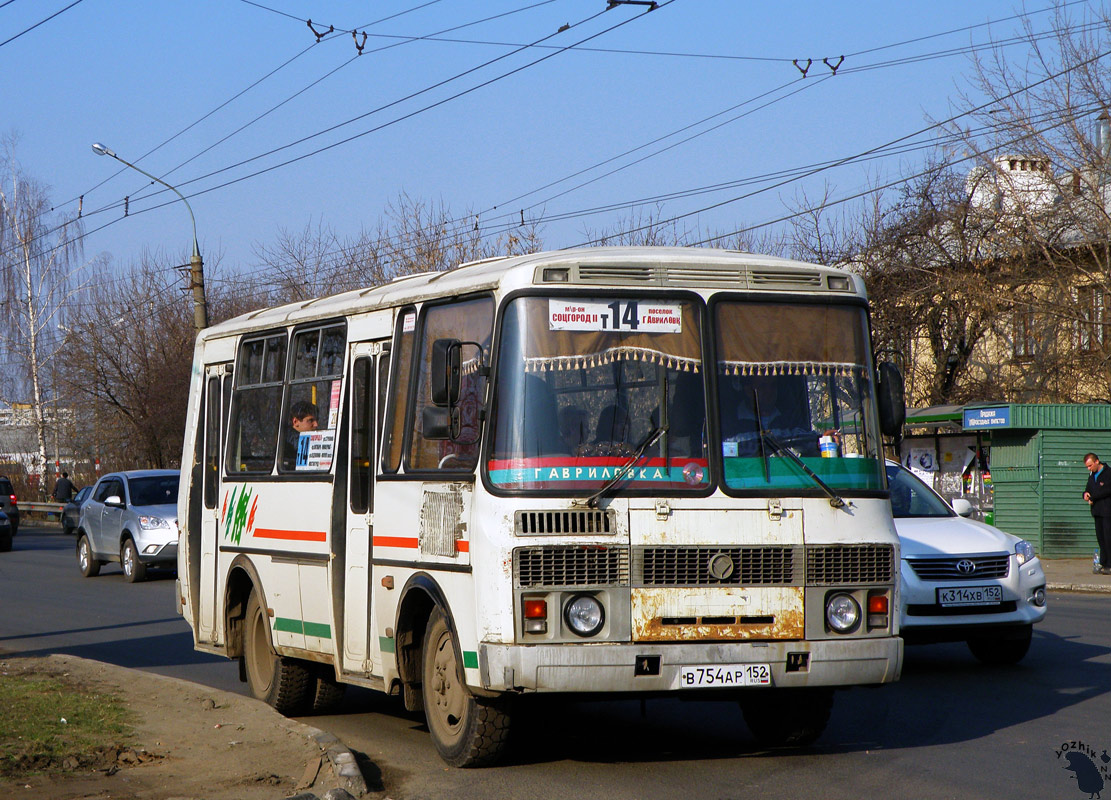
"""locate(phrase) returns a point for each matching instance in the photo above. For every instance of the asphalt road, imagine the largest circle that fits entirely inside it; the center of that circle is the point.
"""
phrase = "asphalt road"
(951, 728)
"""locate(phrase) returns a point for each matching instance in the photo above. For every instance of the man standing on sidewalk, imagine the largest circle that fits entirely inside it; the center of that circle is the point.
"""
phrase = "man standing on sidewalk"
(1098, 495)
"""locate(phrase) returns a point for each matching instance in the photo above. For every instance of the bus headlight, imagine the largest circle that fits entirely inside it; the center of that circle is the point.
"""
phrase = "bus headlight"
(842, 613)
(584, 615)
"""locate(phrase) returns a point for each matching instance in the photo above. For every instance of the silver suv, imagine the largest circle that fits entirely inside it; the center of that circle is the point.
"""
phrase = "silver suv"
(130, 517)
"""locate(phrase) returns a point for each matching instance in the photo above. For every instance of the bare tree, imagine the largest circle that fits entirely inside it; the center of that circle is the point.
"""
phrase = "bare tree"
(40, 258)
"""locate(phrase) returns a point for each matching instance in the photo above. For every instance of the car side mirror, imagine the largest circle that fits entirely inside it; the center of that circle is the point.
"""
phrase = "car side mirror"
(962, 507)
(114, 500)
(892, 398)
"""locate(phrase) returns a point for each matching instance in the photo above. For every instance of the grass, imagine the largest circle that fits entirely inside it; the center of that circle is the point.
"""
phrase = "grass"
(47, 724)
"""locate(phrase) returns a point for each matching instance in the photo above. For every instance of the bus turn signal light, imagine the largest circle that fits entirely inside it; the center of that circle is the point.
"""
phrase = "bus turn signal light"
(877, 604)
(536, 615)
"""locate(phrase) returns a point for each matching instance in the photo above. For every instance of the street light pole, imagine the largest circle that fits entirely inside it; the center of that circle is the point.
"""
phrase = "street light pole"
(196, 264)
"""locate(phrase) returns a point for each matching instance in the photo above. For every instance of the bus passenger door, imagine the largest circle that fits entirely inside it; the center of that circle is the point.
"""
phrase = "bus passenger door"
(217, 393)
(367, 362)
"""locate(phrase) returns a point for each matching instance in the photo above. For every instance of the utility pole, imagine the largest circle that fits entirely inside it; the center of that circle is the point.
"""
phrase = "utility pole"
(196, 263)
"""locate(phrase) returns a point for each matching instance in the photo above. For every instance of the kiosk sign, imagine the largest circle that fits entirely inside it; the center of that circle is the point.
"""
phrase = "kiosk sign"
(979, 418)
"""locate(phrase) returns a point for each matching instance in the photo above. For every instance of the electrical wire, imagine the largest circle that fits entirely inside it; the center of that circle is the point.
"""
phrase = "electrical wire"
(41, 22)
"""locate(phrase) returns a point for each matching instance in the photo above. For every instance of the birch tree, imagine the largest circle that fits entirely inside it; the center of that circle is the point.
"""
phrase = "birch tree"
(40, 256)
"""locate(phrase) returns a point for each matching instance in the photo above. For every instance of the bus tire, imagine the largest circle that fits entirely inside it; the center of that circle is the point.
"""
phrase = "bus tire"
(468, 731)
(326, 693)
(787, 717)
(278, 681)
(86, 561)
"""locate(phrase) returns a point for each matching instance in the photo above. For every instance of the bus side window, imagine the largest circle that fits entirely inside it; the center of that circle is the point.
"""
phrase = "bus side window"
(212, 442)
(312, 396)
(470, 320)
(362, 434)
(253, 429)
(400, 372)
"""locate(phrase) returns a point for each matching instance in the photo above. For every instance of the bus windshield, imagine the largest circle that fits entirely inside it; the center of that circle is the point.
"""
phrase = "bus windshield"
(794, 386)
(587, 383)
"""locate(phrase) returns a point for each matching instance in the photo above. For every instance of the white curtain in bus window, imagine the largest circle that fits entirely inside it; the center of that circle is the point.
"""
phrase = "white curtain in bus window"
(313, 399)
(253, 432)
(469, 321)
(795, 377)
(612, 373)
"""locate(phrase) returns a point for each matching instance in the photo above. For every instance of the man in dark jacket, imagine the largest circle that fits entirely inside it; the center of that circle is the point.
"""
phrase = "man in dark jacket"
(63, 488)
(1098, 495)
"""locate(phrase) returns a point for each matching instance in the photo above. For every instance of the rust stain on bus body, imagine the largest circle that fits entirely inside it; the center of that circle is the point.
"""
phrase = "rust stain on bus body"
(783, 604)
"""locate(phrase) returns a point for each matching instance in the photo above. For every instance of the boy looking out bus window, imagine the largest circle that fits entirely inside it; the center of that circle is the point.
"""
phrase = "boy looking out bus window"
(303, 420)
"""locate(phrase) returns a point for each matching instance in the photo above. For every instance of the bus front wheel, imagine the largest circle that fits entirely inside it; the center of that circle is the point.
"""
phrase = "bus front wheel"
(281, 682)
(787, 717)
(468, 731)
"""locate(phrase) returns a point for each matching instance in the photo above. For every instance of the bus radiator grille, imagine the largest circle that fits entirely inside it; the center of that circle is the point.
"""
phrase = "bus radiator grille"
(850, 565)
(717, 566)
(571, 565)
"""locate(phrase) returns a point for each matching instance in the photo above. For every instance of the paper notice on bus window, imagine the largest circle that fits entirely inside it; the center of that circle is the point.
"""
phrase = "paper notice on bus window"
(333, 406)
(314, 450)
(620, 316)
(409, 323)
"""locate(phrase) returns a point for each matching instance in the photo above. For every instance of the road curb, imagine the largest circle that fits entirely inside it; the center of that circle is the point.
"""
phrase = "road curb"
(339, 757)
(1084, 588)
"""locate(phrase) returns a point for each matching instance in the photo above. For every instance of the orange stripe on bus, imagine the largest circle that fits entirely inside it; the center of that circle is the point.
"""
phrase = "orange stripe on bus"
(298, 536)
(395, 541)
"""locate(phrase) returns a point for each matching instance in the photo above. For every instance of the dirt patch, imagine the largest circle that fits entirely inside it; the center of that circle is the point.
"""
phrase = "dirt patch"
(186, 741)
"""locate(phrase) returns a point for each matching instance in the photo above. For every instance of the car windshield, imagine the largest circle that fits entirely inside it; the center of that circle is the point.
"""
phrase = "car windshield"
(589, 385)
(160, 490)
(910, 497)
(796, 380)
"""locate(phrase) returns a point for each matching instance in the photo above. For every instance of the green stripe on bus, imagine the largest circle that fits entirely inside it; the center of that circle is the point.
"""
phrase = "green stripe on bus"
(318, 629)
(470, 659)
(386, 644)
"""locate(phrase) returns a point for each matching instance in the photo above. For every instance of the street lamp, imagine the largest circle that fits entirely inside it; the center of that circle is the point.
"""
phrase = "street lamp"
(196, 265)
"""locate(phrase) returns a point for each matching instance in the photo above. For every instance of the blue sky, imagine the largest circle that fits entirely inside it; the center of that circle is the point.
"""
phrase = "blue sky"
(134, 74)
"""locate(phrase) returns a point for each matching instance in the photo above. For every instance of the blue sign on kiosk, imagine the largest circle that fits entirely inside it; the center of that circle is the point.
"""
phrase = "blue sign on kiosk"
(981, 418)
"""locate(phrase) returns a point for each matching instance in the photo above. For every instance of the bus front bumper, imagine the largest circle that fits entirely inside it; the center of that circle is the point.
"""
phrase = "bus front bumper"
(655, 667)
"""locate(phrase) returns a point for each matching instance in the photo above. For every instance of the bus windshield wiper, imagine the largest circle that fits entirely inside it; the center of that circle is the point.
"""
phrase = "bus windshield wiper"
(592, 501)
(835, 500)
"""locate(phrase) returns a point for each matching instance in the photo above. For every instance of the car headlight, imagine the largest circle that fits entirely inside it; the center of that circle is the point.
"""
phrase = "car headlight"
(1024, 551)
(842, 613)
(584, 615)
(153, 523)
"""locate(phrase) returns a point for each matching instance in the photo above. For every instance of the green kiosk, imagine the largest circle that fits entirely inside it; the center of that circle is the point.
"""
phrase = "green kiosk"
(1021, 465)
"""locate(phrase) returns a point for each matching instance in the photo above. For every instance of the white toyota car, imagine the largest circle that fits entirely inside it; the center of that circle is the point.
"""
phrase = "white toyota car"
(962, 580)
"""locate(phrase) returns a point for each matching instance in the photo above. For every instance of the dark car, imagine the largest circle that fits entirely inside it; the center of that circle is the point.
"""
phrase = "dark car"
(9, 503)
(5, 533)
(71, 514)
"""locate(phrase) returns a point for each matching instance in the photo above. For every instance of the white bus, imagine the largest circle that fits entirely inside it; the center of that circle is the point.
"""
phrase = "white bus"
(618, 472)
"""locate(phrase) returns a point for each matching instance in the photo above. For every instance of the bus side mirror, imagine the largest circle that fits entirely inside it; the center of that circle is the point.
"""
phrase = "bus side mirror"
(438, 422)
(444, 380)
(892, 399)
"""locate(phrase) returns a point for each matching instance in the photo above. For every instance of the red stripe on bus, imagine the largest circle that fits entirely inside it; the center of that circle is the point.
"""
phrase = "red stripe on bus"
(297, 536)
(395, 541)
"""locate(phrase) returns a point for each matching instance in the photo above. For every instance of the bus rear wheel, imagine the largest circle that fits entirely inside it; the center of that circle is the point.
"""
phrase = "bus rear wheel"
(787, 717)
(468, 731)
(281, 682)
